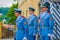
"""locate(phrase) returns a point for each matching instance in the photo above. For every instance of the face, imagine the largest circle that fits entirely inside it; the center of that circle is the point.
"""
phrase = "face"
(44, 9)
(17, 14)
(31, 12)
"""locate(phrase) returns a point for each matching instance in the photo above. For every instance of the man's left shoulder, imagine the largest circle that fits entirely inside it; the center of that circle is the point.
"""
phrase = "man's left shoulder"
(49, 13)
(35, 15)
(23, 16)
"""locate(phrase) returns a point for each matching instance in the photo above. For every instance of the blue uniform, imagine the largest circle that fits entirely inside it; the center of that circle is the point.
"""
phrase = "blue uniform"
(46, 25)
(32, 22)
(22, 28)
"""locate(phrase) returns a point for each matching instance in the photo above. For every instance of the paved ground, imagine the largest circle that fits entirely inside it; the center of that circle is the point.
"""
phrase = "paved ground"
(7, 39)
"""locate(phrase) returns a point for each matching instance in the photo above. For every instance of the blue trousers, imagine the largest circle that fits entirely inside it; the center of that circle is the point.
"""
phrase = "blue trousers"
(44, 38)
(19, 35)
(31, 37)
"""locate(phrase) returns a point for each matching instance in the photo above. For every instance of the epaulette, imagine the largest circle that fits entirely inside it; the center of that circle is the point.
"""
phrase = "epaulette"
(23, 16)
(49, 13)
(34, 14)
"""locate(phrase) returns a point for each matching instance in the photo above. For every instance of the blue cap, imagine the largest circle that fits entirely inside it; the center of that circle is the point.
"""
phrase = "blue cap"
(31, 8)
(18, 10)
(46, 4)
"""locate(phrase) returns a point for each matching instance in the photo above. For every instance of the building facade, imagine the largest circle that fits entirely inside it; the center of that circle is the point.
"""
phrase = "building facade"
(25, 4)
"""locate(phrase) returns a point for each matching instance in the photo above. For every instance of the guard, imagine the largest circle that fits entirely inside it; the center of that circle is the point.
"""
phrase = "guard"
(22, 26)
(46, 22)
(33, 24)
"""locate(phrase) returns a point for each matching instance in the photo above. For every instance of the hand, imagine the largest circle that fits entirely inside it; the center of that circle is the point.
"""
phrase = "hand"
(50, 35)
(25, 38)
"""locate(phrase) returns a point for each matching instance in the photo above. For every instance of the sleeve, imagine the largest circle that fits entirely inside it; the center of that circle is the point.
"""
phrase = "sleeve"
(25, 27)
(35, 25)
(51, 24)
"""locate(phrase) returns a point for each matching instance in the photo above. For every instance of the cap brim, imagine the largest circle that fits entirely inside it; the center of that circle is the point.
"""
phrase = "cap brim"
(43, 6)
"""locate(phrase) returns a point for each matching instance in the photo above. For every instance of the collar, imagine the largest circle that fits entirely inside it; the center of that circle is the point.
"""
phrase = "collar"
(31, 14)
(18, 17)
(45, 12)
